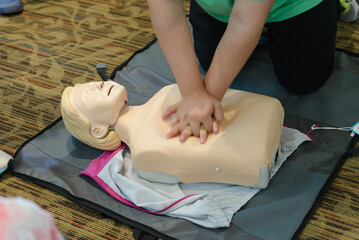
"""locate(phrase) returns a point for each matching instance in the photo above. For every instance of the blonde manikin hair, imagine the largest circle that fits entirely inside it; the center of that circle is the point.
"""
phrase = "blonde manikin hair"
(80, 128)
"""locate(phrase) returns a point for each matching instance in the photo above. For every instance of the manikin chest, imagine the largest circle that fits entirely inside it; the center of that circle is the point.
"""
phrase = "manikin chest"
(241, 153)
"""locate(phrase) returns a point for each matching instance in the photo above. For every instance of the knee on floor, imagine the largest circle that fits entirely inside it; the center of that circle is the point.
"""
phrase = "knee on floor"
(303, 82)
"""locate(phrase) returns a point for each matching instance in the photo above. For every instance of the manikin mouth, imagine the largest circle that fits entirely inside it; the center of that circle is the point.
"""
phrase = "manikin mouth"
(109, 91)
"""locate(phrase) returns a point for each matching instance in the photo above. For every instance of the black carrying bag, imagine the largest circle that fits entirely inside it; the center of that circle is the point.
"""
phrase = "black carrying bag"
(53, 158)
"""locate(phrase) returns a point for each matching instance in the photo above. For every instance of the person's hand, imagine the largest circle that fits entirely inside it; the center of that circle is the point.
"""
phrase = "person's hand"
(193, 116)
(188, 131)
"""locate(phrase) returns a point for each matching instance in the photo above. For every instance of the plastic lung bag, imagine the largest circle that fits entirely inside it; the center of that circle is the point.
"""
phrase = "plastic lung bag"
(22, 219)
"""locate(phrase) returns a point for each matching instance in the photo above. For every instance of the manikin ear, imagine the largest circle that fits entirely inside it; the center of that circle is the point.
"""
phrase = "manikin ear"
(99, 131)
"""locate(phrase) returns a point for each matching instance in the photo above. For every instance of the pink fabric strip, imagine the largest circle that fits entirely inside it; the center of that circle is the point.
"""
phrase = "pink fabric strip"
(173, 204)
(99, 163)
(311, 130)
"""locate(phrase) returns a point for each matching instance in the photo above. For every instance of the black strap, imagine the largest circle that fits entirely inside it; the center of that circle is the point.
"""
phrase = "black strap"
(101, 70)
(354, 152)
(139, 234)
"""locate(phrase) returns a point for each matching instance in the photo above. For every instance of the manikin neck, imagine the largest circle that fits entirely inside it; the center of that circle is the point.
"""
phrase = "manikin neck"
(124, 122)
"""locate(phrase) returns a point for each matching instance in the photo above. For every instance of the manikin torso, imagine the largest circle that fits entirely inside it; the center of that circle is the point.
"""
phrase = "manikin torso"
(248, 140)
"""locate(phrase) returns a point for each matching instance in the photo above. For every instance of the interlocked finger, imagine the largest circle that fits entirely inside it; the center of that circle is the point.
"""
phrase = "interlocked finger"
(186, 133)
(174, 121)
(215, 126)
(203, 134)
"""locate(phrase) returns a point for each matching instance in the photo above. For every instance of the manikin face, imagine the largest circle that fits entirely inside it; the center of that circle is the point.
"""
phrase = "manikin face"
(99, 103)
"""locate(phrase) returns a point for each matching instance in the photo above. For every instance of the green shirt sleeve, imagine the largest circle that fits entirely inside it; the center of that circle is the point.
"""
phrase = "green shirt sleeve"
(281, 10)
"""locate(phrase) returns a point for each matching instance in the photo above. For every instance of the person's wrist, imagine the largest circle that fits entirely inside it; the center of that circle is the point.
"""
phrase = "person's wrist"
(195, 91)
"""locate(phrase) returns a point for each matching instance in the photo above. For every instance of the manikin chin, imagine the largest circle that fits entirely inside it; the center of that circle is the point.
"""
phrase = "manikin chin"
(241, 153)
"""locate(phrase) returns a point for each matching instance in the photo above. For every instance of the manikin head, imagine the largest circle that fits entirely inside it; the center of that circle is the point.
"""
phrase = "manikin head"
(89, 109)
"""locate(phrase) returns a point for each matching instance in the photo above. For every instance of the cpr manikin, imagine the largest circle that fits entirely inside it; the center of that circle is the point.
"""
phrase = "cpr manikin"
(241, 153)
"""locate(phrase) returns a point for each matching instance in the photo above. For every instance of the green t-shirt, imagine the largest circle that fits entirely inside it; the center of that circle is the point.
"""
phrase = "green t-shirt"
(281, 10)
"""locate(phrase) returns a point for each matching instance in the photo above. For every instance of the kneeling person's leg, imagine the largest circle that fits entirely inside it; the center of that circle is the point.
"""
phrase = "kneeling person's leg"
(302, 48)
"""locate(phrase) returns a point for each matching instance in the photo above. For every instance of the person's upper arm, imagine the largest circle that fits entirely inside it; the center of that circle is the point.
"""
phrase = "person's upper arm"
(244, 28)
(251, 13)
(169, 10)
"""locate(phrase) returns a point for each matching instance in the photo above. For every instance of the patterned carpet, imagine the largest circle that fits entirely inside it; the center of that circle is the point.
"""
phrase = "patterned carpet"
(54, 44)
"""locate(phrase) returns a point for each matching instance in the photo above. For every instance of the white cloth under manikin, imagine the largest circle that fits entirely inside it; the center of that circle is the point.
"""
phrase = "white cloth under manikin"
(211, 205)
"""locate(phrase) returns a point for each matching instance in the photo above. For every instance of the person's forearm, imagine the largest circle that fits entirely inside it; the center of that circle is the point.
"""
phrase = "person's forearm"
(237, 44)
(232, 53)
(171, 27)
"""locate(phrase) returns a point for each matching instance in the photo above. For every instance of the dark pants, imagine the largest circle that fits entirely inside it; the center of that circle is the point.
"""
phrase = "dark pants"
(301, 48)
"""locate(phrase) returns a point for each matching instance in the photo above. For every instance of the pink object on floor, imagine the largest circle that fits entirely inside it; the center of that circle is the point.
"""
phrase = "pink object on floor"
(22, 219)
